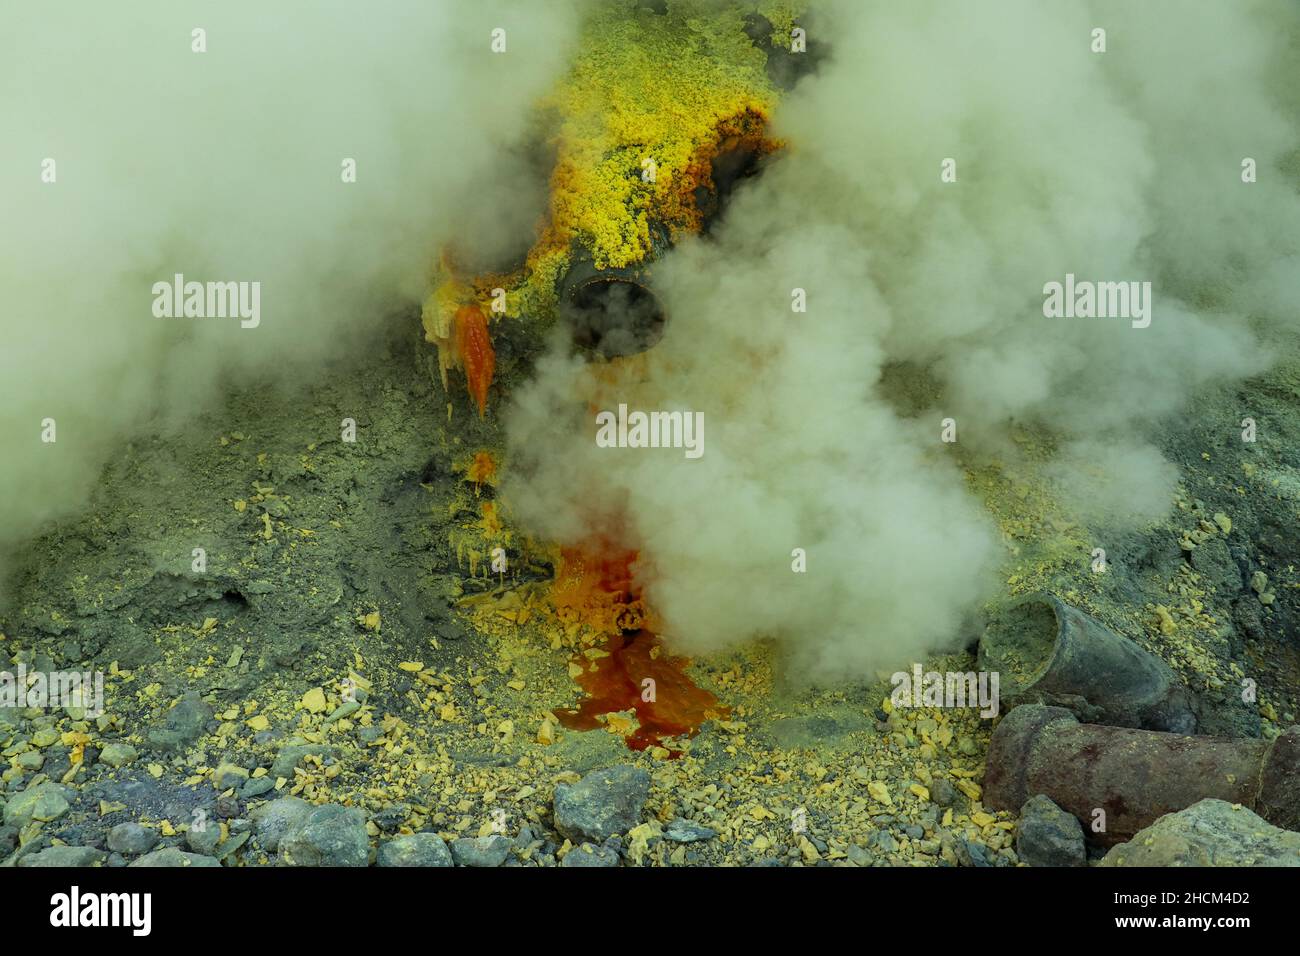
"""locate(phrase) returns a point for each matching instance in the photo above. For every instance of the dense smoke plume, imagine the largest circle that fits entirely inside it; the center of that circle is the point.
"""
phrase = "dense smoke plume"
(1119, 166)
(228, 165)
(924, 298)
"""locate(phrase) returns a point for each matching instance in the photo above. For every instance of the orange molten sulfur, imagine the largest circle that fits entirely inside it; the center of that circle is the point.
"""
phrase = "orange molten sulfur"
(476, 355)
(618, 682)
(635, 672)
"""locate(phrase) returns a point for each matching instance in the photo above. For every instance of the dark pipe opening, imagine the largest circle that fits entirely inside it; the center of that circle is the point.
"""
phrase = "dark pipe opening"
(729, 169)
(614, 316)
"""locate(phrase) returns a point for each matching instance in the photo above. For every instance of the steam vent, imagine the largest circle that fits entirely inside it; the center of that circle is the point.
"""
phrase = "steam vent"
(649, 434)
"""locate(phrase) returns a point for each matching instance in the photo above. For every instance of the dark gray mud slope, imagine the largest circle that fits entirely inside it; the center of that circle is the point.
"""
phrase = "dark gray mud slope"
(301, 530)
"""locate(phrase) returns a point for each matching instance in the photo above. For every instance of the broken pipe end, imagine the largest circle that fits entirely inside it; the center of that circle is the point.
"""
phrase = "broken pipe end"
(1010, 753)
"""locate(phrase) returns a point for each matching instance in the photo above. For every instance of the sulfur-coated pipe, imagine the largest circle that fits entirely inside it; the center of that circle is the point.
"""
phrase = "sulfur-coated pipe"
(614, 312)
(1046, 651)
(1135, 776)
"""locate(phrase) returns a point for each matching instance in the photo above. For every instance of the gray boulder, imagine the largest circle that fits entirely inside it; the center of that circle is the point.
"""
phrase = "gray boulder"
(274, 819)
(132, 838)
(481, 851)
(44, 802)
(418, 849)
(1048, 836)
(1209, 833)
(602, 804)
(118, 754)
(328, 835)
(204, 839)
(62, 856)
(589, 855)
(183, 725)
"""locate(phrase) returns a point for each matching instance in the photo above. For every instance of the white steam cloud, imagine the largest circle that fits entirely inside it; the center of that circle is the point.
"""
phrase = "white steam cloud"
(227, 165)
(1118, 166)
(1122, 166)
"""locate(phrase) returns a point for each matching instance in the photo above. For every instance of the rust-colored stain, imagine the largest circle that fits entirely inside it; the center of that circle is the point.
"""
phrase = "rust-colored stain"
(630, 669)
(637, 674)
(476, 354)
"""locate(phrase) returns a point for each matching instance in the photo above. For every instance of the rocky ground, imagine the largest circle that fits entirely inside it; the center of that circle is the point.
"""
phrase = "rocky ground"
(346, 683)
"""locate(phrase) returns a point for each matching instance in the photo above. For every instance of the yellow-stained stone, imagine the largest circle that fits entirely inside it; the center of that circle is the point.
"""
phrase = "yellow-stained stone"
(970, 788)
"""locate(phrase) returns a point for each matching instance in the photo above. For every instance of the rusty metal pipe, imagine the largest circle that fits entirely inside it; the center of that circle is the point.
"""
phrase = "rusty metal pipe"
(1047, 651)
(1136, 776)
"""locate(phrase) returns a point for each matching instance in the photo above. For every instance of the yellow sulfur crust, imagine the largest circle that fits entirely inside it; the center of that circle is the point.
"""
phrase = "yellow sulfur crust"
(668, 90)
